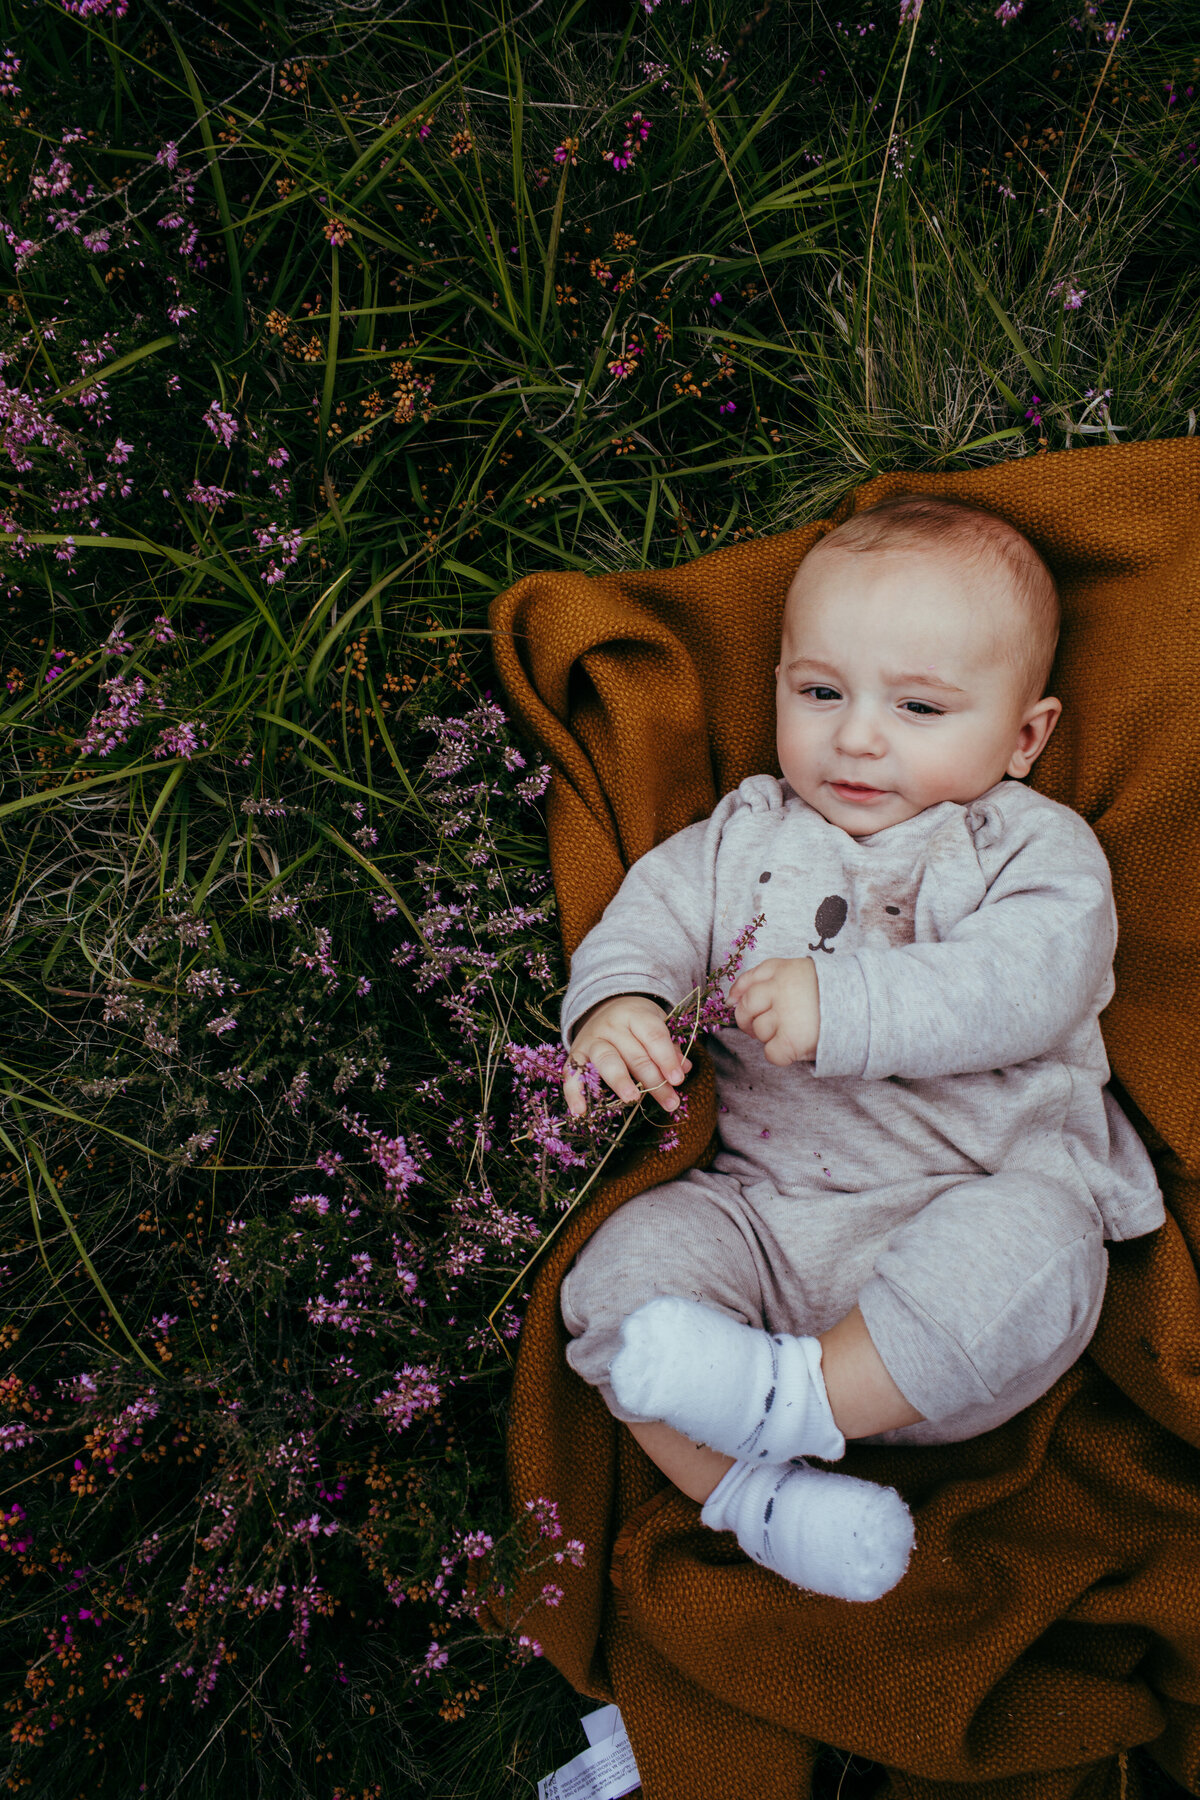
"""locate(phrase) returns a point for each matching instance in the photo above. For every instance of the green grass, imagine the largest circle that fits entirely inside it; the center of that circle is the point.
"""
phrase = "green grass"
(426, 324)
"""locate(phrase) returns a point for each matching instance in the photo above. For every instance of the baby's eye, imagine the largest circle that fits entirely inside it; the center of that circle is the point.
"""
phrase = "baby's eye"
(926, 710)
(822, 693)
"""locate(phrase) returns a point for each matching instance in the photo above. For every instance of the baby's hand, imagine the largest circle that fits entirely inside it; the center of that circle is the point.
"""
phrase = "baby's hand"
(625, 1037)
(778, 1003)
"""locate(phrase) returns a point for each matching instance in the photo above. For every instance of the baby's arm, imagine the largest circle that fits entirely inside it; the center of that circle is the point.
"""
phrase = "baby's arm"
(649, 950)
(1008, 983)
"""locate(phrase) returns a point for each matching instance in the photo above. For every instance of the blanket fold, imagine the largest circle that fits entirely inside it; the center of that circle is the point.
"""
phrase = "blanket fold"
(1050, 1617)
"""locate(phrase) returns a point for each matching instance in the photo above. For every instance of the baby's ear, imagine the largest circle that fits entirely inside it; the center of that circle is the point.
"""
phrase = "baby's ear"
(1039, 723)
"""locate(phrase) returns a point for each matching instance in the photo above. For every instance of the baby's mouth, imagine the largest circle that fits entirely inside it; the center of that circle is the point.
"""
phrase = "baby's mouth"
(855, 789)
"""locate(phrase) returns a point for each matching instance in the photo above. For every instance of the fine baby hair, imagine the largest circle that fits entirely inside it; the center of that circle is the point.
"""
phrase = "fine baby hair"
(986, 544)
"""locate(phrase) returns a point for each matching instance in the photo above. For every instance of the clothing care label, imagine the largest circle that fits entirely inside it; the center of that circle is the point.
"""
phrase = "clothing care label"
(604, 1771)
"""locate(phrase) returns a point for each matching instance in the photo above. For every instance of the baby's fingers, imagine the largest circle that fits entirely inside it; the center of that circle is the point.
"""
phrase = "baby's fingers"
(659, 1070)
(573, 1094)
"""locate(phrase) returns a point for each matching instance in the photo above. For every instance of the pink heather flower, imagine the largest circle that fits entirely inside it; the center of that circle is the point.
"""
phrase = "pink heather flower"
(56, 180)
(1072, 297)
(398, 1166)
(636, 133)
(1033, 414)
(112, 725)
(213, 497)
(435, 1658)
(910, 11)
(180, 740)
(714, 299)
(337, 231)
(287, 541)
(321, 959)
(209, 981)
(277, 458)
(415, 1392)
(95, 9)
(221, 424)
(545, 1516)
(10, 68)
(1008, 10)
(314, 1203)
(24, 249)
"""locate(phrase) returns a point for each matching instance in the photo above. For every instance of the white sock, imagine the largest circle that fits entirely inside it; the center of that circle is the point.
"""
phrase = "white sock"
(828, 1533)
(750, 1394)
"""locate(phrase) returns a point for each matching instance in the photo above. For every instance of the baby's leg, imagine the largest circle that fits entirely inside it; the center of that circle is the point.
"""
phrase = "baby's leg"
(984, 1299)
(666, 1304)
(694, 1245)
(689, 1238)
(755, 1395)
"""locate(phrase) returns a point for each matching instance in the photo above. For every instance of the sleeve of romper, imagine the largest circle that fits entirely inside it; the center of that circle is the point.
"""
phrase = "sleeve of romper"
(1006, 984)
(655, 935)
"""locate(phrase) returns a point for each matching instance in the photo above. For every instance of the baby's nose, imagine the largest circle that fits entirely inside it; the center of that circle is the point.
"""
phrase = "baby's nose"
(859, 729)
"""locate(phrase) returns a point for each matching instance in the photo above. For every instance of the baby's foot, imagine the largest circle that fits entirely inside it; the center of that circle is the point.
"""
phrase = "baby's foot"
(825, 1532)
(747, 1393)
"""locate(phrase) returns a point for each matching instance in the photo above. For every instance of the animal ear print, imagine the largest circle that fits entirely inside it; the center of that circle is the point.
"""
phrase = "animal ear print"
(831, 916)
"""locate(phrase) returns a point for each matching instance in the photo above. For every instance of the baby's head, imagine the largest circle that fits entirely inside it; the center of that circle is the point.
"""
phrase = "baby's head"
(917, 643)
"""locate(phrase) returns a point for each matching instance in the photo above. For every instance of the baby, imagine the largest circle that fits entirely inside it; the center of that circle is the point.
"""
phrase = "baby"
(901, 1236)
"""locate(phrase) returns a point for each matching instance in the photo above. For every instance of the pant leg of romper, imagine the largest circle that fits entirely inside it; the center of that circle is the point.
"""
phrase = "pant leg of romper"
(694, 1237)
(982, 1301)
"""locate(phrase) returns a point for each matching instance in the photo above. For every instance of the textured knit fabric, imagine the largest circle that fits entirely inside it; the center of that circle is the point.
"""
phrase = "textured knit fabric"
(1048, 1619)
(966, 952)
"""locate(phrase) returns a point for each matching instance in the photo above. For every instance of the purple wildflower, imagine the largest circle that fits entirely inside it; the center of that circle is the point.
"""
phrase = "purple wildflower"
(221, 424)
(180, 740)
(415, 1392)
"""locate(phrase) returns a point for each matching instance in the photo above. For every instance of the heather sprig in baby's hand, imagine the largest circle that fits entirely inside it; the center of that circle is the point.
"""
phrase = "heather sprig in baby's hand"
(777, 1002)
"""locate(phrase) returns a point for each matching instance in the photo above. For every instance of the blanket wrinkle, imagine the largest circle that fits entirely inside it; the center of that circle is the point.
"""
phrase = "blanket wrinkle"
(1050, 1618)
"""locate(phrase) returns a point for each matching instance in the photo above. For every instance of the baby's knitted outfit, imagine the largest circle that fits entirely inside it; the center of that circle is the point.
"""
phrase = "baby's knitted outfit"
(956, 1110)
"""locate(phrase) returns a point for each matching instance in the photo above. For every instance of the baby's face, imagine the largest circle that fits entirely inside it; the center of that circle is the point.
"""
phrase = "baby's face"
(889, 697)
